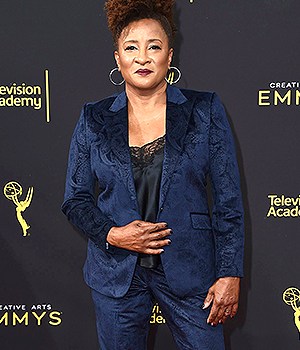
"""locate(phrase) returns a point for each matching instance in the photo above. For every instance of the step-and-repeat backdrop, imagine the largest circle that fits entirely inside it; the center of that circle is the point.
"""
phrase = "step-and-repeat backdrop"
(57, 55)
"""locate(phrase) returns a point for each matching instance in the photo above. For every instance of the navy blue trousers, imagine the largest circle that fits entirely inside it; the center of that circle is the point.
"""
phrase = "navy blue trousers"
(123, 323)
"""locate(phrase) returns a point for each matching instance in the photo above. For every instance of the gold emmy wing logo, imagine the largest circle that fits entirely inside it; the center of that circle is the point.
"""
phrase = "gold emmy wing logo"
(291, 297)
(13, 191)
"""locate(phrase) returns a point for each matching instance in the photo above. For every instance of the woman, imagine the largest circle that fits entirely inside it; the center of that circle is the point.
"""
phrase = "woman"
(150, 150)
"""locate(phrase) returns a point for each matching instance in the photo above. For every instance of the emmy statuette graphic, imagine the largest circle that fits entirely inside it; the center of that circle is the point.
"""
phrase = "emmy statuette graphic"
(291, 297)
(12, 191)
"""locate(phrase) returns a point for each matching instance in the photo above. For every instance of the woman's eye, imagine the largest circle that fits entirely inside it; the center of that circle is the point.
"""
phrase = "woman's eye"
(130, 48)
(155, 47)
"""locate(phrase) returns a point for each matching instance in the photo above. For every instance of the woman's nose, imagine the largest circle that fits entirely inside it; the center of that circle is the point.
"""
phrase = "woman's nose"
(142, 57)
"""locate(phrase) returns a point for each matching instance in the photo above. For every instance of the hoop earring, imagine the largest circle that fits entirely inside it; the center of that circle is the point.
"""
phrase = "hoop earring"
(170, 78)
(111, 79)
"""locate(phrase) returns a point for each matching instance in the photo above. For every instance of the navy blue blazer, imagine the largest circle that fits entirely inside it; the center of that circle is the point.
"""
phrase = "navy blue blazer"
(199, 145)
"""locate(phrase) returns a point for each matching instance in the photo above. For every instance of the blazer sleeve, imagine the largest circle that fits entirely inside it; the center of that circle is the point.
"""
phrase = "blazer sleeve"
(79, 201)
(227, 211)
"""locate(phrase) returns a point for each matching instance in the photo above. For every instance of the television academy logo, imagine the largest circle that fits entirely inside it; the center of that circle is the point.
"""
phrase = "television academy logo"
(23, 95)
(283, 206)
(157, 317)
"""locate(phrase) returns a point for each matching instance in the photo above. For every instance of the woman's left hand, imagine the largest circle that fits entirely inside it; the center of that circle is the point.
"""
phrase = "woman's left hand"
(224, 296)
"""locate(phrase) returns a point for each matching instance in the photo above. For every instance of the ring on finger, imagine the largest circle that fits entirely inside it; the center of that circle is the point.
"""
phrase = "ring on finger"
(227, 312)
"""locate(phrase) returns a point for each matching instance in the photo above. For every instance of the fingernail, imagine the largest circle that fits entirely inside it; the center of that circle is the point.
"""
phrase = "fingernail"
(169, 242)
(162, 250)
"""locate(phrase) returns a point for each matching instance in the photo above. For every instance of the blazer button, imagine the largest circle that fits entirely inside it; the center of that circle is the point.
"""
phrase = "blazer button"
(161, 209)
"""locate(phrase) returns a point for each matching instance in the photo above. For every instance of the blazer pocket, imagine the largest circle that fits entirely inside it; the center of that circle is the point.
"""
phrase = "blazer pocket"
(200, 221)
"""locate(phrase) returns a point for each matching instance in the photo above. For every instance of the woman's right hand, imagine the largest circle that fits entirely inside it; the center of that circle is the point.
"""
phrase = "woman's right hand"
(140, 236)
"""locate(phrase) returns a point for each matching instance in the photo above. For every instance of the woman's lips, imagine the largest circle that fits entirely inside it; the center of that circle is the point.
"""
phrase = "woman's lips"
(144, 72)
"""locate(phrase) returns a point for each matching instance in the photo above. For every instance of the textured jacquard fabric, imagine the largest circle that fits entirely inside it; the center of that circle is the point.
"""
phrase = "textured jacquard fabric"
(80, 205)
(123, 323)
(198, 145)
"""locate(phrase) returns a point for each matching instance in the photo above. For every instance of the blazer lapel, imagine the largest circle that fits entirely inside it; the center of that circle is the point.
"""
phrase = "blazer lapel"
(116, 133)
(179, 110)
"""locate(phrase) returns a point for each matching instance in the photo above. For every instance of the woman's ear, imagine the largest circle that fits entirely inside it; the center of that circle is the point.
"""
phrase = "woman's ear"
(171, 51)
(117, 58)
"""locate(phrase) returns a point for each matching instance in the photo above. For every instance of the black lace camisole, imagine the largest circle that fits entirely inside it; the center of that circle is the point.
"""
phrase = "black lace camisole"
(147, 168)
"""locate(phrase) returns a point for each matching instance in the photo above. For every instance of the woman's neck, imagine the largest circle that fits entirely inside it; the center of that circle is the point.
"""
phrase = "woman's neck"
(144, 104)
(146, 115)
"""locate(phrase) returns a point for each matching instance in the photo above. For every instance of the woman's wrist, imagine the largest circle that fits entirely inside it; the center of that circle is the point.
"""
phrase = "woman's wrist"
(110, 239)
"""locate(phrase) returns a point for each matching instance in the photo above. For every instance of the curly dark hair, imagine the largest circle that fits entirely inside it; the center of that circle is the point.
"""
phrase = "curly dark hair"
(120, 13)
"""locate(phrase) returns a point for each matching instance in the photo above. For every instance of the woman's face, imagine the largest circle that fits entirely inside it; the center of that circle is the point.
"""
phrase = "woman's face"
(143, 55)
